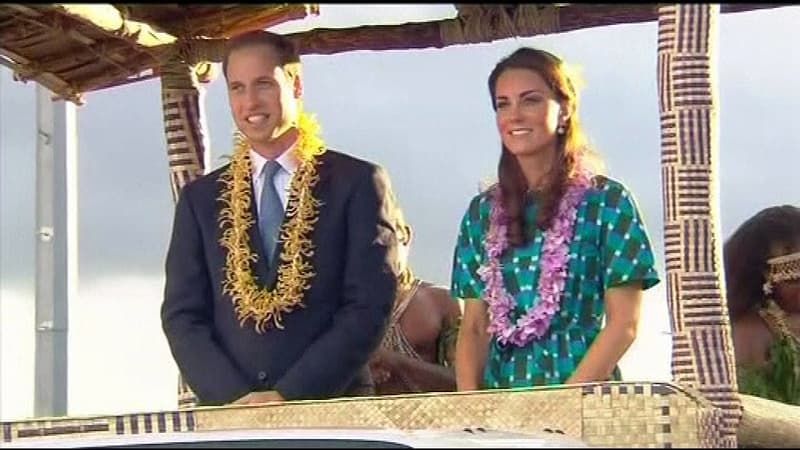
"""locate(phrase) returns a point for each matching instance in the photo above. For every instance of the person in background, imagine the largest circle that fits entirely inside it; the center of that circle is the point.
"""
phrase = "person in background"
(762, 278)
(418, 350)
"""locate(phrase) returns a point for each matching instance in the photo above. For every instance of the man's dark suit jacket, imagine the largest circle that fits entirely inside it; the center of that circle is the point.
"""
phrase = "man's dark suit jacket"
(323, 349)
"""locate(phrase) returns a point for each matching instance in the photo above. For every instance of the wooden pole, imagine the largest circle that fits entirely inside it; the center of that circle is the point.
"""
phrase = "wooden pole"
(187, 144)
(768, 424)
(184, 129)
(702, 352)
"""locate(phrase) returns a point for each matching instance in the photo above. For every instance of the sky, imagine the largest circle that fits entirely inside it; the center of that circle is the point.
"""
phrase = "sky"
(425, 115)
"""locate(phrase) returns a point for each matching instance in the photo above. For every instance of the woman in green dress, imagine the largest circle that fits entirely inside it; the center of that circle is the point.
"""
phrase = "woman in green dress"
(762, 274)
(552, 250)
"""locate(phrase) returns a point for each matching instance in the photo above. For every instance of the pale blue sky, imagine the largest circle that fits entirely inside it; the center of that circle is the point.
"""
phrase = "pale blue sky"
(423, 114)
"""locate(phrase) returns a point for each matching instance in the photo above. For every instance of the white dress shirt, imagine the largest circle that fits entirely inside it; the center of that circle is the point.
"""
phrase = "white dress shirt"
(288, 162)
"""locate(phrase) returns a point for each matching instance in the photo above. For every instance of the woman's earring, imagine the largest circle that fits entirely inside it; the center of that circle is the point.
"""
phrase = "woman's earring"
(560, 129)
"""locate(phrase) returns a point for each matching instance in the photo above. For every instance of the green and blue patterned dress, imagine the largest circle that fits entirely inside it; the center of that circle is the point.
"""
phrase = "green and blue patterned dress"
(610, 248)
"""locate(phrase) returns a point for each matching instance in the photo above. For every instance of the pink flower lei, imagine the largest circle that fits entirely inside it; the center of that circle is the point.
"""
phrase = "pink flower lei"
(553, 261)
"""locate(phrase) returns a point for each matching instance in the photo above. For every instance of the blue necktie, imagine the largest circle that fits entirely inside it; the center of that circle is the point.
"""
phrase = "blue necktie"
(271, 210)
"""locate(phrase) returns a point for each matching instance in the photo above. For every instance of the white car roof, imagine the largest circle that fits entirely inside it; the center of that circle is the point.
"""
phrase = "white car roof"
(466, 438)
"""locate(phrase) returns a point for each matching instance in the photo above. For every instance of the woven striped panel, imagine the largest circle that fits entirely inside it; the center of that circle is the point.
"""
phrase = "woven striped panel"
(185, 136)
(702, 355)
(186, 148)
(613, 414)
(186, 397)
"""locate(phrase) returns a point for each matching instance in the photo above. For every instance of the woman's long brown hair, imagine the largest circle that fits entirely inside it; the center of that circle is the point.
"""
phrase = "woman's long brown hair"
(569, 146)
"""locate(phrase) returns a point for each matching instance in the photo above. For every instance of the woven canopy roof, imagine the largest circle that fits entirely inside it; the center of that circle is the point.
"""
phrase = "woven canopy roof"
(76, 48)
(72, 49)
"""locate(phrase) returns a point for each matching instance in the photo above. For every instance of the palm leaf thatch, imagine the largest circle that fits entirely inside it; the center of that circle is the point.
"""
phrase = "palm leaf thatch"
(72, 49)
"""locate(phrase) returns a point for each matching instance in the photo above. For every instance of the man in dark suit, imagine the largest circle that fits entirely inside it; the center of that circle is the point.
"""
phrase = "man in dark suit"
(264, 305)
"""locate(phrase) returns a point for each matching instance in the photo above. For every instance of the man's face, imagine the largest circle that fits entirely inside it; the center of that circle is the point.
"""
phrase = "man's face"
(263, 99)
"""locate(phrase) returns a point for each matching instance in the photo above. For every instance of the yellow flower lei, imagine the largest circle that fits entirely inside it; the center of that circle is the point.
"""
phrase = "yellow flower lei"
(295, 272)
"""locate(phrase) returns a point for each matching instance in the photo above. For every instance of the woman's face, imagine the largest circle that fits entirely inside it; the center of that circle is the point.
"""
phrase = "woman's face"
(527, 112)
(787, 293)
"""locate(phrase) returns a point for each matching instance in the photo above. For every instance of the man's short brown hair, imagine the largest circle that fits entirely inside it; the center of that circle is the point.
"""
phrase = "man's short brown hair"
(284, 48)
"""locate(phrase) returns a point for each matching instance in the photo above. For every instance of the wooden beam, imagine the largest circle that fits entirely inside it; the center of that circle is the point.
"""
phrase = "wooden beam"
(109, 51)
(318, 41)
(768, 424)
(7, 62)
(30, 40)
(115, 52)
(26, 70)
(43, 22)
(14, 29)
(108, 19)
(322, 41)
(192, 51)
(27, 10)
(234, 20)
(90, 80)
(147, 75)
